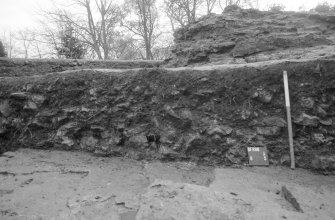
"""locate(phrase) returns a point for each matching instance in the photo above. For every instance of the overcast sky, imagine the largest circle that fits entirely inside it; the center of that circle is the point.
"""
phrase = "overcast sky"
(17, 14)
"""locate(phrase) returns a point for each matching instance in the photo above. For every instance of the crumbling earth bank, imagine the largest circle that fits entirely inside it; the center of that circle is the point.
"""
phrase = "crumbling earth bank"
(247, 36)
(206, 114)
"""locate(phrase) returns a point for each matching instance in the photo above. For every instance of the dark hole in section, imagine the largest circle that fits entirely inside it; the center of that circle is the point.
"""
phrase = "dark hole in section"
(153, 138)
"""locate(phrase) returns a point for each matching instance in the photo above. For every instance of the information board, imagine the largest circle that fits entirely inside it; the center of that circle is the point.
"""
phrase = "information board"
(258, 156)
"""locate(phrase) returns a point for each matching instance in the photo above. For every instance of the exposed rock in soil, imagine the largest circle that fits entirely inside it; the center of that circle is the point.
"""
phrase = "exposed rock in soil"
(323, 162)
(245, 36)
(205, 114)
(290, 198)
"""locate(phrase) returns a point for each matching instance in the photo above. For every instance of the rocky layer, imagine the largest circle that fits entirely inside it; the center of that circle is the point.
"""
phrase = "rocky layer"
(207, 114)
(244, 36)
(29, 67)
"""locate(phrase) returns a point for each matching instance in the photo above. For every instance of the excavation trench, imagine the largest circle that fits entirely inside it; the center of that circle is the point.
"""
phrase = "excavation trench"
(124, 140)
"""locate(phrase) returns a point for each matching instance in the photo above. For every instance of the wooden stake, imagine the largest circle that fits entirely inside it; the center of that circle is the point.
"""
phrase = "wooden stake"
(289, 122)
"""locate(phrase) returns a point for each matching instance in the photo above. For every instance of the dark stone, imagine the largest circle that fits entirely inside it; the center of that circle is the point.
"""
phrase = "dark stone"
(137, 141)
(204, 92)
(101, 153)
(219, 130)
(307, 102)
(38, 99)
(194, 140)
(307, 120)
(319, 138)
(269, 121)
(196, 145)
(69, 142)
(183, 119)
(245, 114)
(263, 95)
(323, 163)
(38, 123)
(68, 128)
(321, 112)
(5, 108)
(73, 64)
(326, 122)
(186, 114)
(247, 133)
(19, 95)
(222, 47)
(169, 154)
(30, 106)
(198, 57)
(269, 131)
(290, 198)
(252, 46)
(231, 141)
(70, 109)
(88, 142)
(64, 135)
(285, 160)
(123, 105)
(236, 154)
(47, 113)
(169, 111)
(3, 131)
(108, 142)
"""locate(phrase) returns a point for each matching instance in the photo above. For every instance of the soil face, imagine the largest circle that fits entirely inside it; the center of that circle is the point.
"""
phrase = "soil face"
(209, 114)
(37, 184)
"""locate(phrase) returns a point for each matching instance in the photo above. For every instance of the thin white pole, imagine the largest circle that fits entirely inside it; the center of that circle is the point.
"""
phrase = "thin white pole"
(289, 122)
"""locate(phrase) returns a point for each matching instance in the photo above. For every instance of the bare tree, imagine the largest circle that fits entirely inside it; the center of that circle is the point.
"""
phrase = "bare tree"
(53, 27)
(50, 37)
(210, 5)
(128, 48)
(142, 22)
(182, 12)
(94, 24)
(26, 36)
(37, 47)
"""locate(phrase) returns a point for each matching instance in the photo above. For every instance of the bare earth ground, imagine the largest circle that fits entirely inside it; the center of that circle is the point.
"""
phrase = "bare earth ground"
(38, 184)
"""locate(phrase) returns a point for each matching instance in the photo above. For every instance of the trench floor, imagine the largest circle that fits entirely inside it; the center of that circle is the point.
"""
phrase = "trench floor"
(60, 185)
